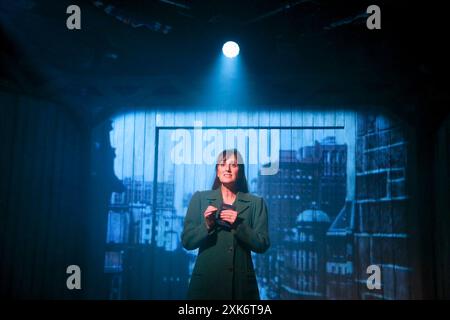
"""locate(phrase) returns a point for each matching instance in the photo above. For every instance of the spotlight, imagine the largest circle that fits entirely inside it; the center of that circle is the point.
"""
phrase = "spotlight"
(230, 49)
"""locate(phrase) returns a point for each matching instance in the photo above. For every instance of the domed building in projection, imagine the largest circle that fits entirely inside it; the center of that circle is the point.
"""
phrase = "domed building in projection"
(303, 269)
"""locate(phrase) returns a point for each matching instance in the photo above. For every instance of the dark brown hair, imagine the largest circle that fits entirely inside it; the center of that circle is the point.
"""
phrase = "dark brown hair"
(241, 182)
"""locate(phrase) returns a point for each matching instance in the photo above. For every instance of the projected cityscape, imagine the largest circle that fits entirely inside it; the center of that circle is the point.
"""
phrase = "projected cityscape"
(335, 201)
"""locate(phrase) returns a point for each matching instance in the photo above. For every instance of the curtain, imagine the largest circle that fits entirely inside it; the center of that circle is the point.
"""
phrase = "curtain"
(42, 206)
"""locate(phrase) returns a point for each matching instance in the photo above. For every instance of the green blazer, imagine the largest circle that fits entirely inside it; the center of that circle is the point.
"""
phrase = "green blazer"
(224, 267)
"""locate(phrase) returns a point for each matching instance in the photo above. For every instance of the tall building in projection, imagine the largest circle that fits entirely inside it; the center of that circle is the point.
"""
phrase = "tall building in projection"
(302, 271)
(370, 229)
(340, 263)
(312, 178)
(380, 235)
(135, 234)
(131, 219)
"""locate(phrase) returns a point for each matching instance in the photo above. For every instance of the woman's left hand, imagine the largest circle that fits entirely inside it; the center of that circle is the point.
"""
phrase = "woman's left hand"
(228, 215)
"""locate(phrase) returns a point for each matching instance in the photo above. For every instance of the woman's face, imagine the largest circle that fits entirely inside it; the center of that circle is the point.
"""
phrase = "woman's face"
(227, 170)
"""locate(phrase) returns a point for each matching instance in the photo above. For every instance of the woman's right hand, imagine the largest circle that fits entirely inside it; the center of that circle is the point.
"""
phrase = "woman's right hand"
(209, 216)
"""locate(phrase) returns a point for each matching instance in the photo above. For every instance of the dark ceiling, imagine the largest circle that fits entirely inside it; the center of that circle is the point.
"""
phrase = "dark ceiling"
(155, 53)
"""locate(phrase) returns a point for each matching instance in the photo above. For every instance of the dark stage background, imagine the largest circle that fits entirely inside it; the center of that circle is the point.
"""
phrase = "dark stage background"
(87, 119)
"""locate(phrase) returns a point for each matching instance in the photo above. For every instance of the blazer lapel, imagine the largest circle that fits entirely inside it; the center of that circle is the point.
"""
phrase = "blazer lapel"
(242, 202)
(215, 198)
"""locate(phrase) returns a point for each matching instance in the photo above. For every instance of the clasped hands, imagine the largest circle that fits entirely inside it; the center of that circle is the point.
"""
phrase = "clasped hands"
(227, 215)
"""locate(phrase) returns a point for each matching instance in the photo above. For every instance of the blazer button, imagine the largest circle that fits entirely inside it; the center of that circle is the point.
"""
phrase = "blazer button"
(230, 249)
(230, 269)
